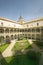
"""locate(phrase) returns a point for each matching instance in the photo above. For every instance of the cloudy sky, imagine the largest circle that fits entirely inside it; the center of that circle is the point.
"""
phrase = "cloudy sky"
(28, 9)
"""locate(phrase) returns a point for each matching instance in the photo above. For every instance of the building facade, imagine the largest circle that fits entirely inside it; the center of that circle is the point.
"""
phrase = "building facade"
(10, 29)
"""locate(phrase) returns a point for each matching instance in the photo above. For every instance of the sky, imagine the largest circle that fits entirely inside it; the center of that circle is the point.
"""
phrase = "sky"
(28, 9)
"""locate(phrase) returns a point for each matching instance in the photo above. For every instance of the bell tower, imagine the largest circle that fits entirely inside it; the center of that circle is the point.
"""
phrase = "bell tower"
(20, 20)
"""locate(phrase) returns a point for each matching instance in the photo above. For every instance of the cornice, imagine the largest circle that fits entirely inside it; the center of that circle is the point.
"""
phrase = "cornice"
(35, 20)
(29, 21)
(8, 20)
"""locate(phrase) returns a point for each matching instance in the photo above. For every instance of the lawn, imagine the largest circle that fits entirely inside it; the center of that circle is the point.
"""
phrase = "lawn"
(39, 44)
(3, 47)
(22, 44)
(18, 60)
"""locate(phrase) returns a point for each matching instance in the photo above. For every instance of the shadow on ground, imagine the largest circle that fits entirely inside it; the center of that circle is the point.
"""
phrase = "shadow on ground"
(17, 60)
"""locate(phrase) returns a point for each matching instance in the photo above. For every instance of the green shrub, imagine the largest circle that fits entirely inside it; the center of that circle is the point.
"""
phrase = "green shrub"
(32, 55)
(17, 59)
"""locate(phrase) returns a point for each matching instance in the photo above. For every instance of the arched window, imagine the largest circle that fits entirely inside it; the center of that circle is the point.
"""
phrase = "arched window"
(37, 24)
(2, 23)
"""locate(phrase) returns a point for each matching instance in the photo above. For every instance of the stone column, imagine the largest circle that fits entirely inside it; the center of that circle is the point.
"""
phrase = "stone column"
(31, 33)
(35, 33)
(40, 34)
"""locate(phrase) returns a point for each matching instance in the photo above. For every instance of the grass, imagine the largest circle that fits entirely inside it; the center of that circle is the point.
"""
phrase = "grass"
(3, 47)
(22, 44)
(18, 60)
(39, 44)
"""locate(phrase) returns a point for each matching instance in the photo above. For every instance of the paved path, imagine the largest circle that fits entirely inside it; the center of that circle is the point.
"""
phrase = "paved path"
(37, 49)
(8, 51)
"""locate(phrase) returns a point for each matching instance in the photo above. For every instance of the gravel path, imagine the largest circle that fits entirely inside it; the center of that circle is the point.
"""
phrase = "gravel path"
(8, 51)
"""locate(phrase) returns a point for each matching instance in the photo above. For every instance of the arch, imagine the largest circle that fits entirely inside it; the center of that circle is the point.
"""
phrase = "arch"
(8, 39)
(7, 30)
(1, 30)
(12, 37)
(26, 36)
(15, 36)
(11, 30)
(1, 39)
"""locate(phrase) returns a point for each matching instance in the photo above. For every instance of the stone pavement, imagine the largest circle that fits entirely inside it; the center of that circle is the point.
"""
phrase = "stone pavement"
(8, 51)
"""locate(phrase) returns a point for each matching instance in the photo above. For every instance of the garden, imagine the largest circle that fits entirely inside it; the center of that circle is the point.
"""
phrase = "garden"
(29, 58)
(22, 45)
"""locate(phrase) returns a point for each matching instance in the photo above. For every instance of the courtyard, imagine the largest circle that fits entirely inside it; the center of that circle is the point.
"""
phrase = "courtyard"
(18, 53)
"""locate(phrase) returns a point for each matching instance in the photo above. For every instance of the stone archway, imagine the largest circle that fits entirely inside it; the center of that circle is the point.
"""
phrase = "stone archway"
(26, 36)
(15, 36)
(1, 39)
(7, 30)
(1, 30)
(8, 39)
(12, 37)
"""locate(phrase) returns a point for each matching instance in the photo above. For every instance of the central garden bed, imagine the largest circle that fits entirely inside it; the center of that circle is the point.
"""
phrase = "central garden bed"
(22, 45)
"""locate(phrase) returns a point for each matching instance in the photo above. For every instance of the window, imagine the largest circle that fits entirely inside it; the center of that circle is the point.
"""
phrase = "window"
(14, 25)
(33, 30)
(2, 23)
(27, 25)
(37, 24)
(1, 30)
(42, 30)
